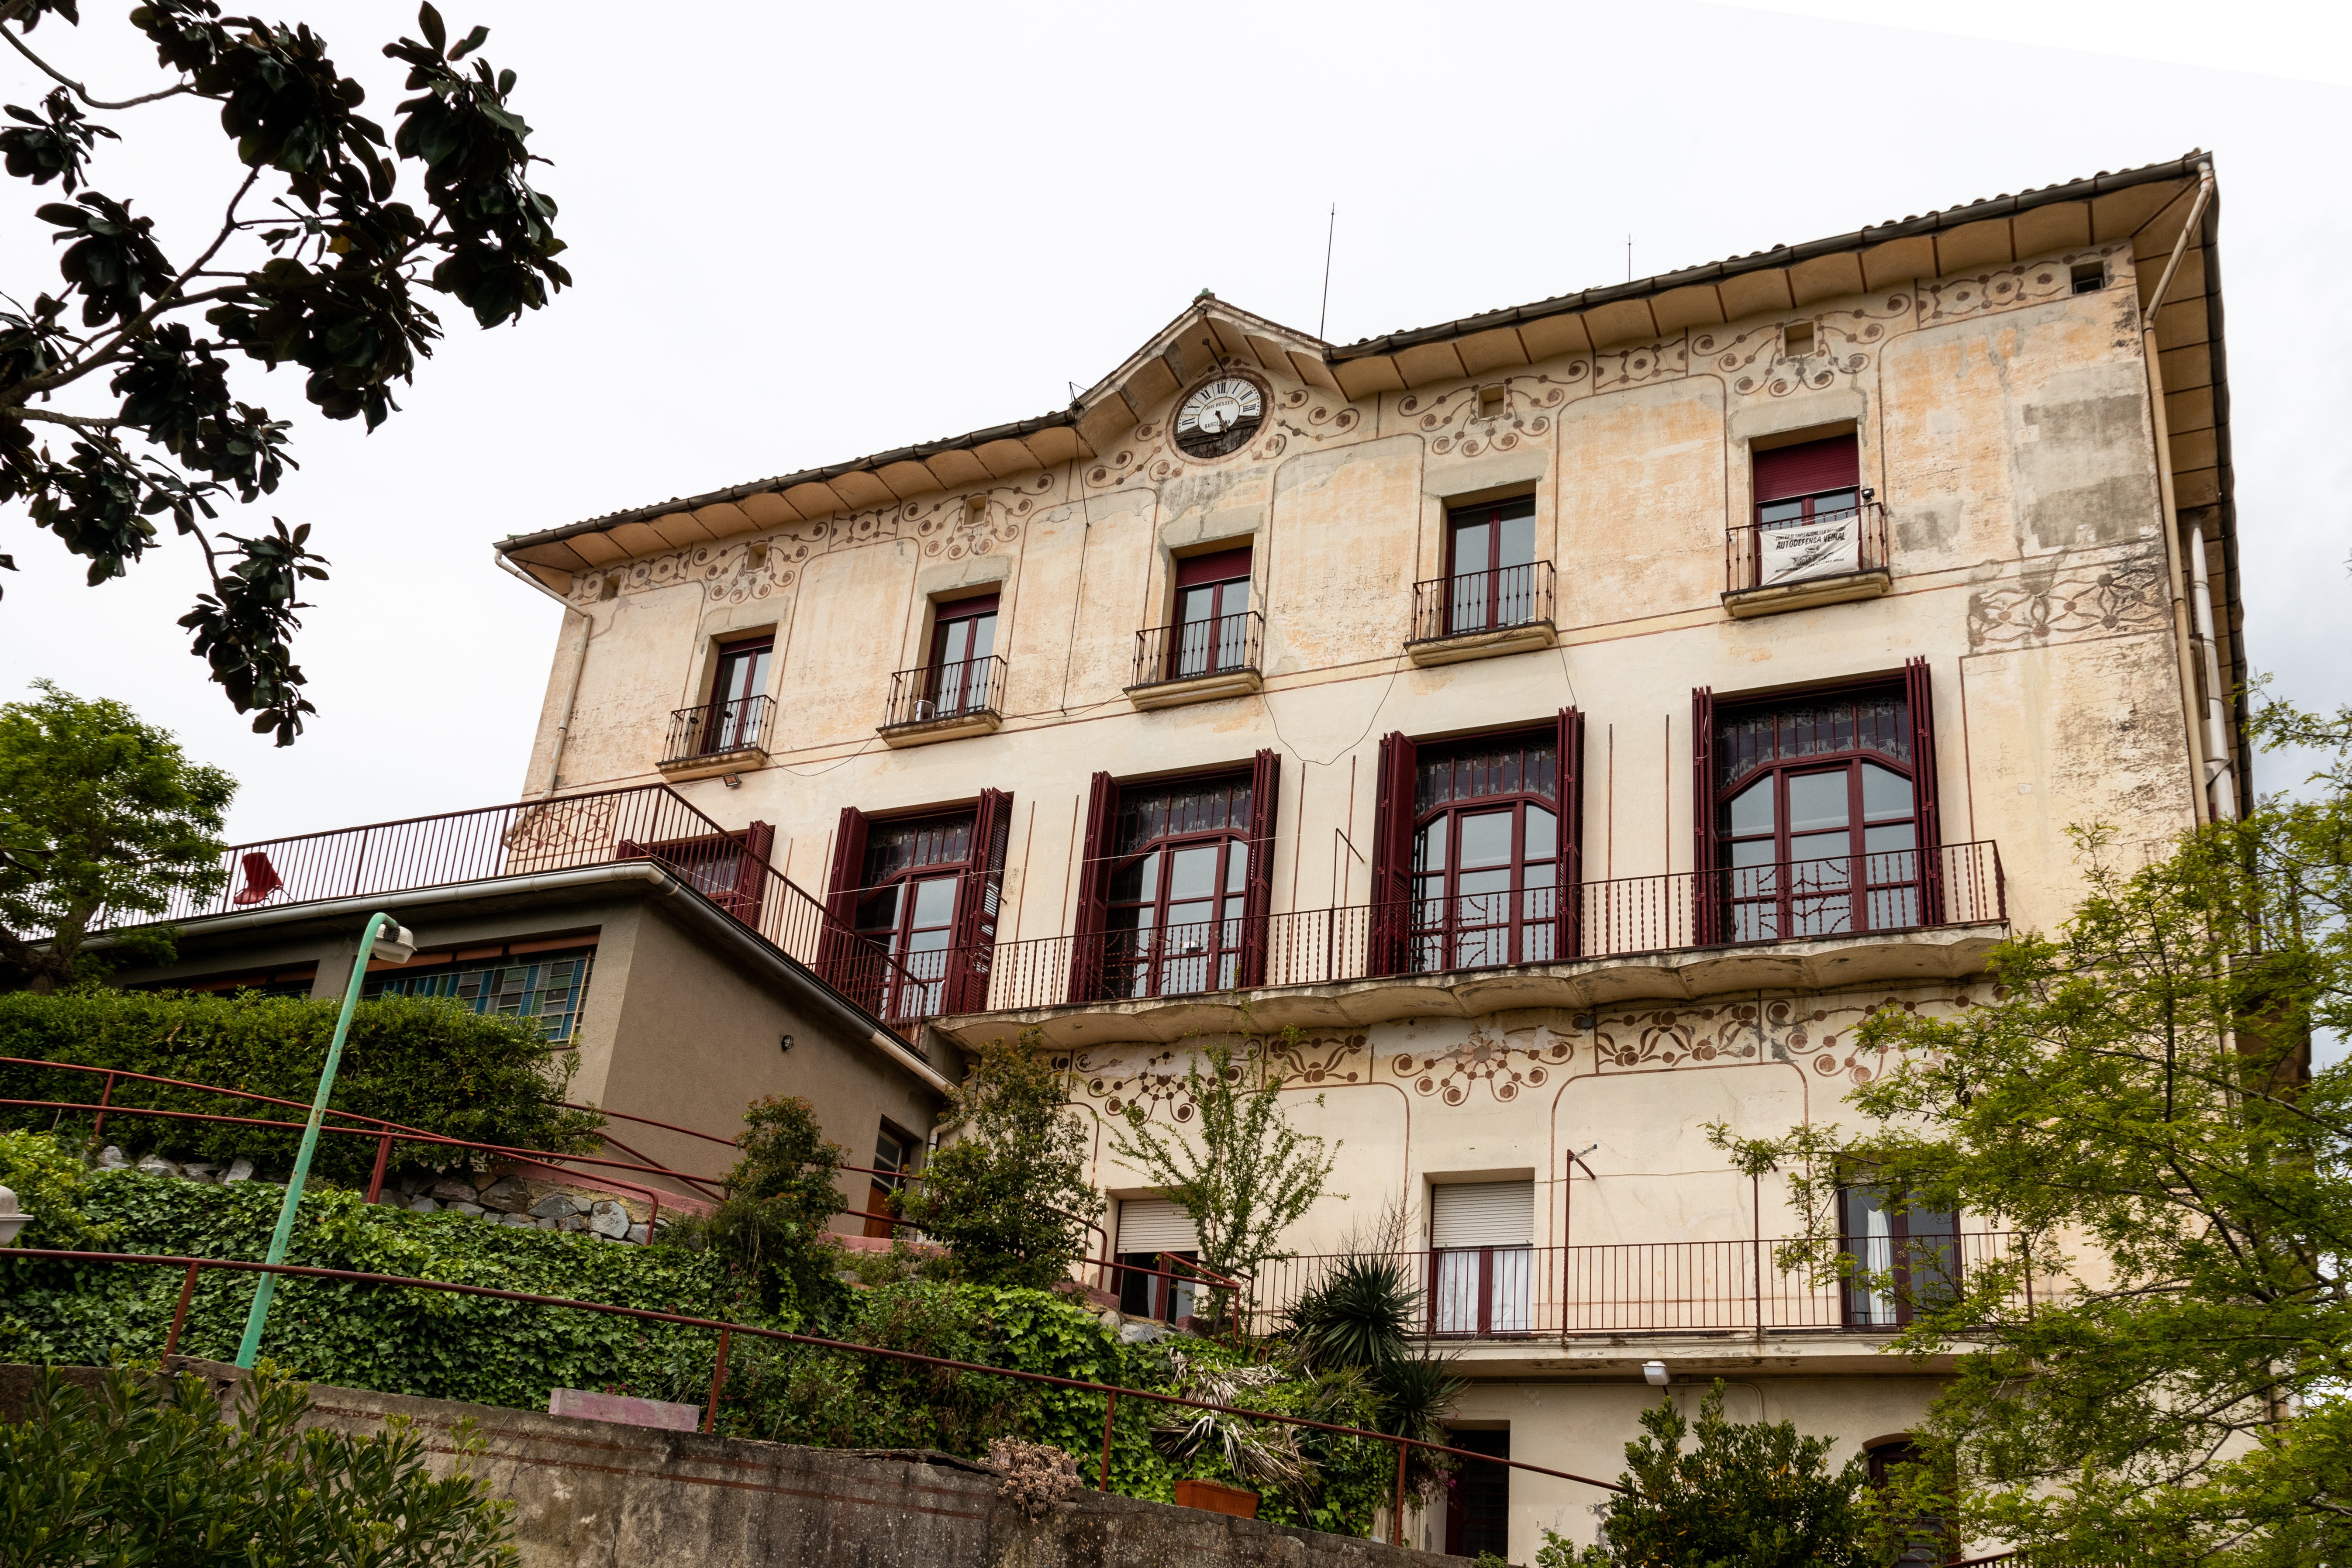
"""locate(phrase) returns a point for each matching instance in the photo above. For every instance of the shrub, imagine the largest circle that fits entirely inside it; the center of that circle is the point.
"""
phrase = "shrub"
(772, 1228)
(147, 1472)
(432, 1065)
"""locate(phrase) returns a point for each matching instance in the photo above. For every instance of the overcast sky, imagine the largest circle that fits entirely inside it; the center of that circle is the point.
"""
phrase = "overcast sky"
(801, 234)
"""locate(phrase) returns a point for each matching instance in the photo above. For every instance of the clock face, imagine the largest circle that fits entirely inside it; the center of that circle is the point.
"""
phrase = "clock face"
(1220, 416)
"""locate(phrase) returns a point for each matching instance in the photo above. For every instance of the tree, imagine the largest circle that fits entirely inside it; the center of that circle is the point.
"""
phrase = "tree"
(1755, 1494)
(1009, 1198)
(100, 815)
(2139, 1107)
(1246, 1174)
(147, 1472)
(780, 1206)
(313, 263)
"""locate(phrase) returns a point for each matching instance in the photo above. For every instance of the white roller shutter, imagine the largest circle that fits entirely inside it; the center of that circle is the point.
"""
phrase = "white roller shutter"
(1155, 1225)
(1482, 1213)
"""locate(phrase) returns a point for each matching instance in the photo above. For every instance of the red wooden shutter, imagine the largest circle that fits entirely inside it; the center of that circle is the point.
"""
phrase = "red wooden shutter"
(1568, 881)
(979, 903)
(1257, 899)
(1707, 897)
(1918, 689)
(1223, 566)
(751, 874)
(836, 946)
(1094, 890)
(1831, 465)
(1390, 924)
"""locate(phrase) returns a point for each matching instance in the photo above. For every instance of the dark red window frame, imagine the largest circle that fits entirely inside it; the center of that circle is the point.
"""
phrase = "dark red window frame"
(739, 678)
(1796, 485)
(1211, 627)
(876, 967)
(1484, 594)
(961, 684)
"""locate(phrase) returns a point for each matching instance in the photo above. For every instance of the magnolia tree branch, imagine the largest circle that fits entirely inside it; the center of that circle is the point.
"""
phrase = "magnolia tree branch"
(76, 88)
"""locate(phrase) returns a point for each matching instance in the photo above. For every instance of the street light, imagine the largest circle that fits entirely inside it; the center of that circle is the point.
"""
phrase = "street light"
(385, 939)
(11, 1219)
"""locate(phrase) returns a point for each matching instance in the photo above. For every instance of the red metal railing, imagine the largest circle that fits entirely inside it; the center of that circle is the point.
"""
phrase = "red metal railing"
(1776, 554)
(964, 689)
(532, 838)
(740, 724)
(1958, 884)
(1673, 1287)
(1192, 649)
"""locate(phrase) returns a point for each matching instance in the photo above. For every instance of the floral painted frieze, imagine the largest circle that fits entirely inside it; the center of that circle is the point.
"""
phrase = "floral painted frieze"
(1505, 1063)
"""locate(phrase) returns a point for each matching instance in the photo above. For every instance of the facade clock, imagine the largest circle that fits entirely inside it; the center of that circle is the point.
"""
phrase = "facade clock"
(1219, 416)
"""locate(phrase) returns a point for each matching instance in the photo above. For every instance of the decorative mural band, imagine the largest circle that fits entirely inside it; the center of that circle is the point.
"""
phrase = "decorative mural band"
(1114, 1079)
(1520, 1058)
(2004, 288)
(2065, 598)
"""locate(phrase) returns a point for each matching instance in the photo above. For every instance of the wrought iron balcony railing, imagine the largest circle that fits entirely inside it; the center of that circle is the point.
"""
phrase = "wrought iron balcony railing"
(1471, 603)
(1802, 550)
(1956, 884)
(716, 729)
(969, 687)
(1225, 645)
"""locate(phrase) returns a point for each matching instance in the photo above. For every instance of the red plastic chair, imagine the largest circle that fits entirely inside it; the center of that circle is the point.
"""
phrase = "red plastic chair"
(261, 880)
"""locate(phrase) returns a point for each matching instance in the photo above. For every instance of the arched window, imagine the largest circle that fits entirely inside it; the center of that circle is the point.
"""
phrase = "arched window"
(1179, 876)
(907, 905)
(1817, 817)
(1485, 853)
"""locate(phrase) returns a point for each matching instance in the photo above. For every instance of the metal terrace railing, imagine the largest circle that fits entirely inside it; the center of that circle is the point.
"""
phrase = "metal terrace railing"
(1474, 602)
(1956, 884)
(716, 729)
(1225, 645)
(1779, 554)
(968, 687)
(1655, 1287)
(649, 823)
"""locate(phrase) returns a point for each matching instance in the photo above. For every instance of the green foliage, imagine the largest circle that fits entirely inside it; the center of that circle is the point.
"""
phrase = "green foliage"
(332, 281)
(1358, 1315)
(427, 1064)
(359, 1336)
(146, 1471)
(1245, 1174)
(48, 1185)
(2138, 1104)
(1009, 1197)
(781, 1199)
(100, 815)
(1750, 1494)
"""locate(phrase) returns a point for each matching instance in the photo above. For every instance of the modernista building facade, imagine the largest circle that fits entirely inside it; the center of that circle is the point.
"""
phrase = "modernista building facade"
(1537, 736)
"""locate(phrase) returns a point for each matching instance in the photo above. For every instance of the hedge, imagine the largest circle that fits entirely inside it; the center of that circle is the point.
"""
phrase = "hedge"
(430, 1064)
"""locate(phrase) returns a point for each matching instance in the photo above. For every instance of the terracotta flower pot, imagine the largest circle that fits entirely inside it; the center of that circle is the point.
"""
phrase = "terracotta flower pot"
(1217, 1498)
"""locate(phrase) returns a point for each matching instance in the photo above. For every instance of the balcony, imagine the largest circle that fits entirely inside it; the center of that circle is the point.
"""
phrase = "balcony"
(717, 738)
(1479, 614)
(1823, 559)
(1198, 661)
(1907, 916)
(1570, 1294)
(943, 701)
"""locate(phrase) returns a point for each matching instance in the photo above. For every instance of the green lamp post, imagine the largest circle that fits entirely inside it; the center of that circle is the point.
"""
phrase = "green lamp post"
(397, 947)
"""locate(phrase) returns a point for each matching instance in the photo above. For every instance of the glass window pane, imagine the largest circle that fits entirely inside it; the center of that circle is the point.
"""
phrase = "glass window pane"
(1773, 513)
(982, 641)
(1236, 866)
(878, 912)
(1197, 603)
(935, 902)
(1193, 872)
(1887, 840)
(1515, 542)
(1754, 851)
(1833, 501)
(1885, 793)
(1429, 848)
(1821, 847)
(1543, 833)
(1751, 808)
(1817, 800)
(1487, 839)
(1139, 880)
(1470, 550)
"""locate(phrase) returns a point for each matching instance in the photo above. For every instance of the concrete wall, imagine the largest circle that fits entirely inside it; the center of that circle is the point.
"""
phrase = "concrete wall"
(585, 1492)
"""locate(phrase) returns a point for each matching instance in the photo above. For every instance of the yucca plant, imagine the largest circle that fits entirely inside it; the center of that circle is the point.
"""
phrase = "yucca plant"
(1359, 1315)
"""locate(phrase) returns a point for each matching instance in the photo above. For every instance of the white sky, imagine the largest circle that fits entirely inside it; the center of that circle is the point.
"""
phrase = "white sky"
(803, 234)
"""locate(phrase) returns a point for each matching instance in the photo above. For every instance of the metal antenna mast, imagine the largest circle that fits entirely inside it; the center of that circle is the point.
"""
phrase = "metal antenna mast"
(1322, 320)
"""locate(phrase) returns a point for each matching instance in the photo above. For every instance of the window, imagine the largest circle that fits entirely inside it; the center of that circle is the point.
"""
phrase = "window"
(1485, 853)
(918, 897)
(730, 869)
(1797, 340)
(1176, 884)
(1473, 843)
(737, 693)
(1478, 1496)
(1482, 1236)
(1817, 819)
(1814, 480)
(2088, 276)
(1901, 1256)
(961, 642)
(1154, 1237)
(894, 1151)
(549, 986)
(1212, 594)
(1931, 1539)
(1490, 551)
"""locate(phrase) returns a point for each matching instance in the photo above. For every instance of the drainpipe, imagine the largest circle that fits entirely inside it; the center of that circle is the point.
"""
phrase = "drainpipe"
(2219, 782)
(2201, 761)
(579, 665)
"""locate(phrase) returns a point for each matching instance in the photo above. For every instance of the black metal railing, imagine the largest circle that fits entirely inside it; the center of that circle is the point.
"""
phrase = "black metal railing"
(966, 689)
(1470, 602)
(1778, 554)
(717, 728)
(1188, 651)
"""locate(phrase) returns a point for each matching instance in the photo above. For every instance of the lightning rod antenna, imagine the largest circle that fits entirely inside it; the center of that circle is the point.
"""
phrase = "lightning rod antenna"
(1328, 234)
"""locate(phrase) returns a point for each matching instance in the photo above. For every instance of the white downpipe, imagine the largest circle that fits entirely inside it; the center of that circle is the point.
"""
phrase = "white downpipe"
(579, 668)
(2220, 785)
